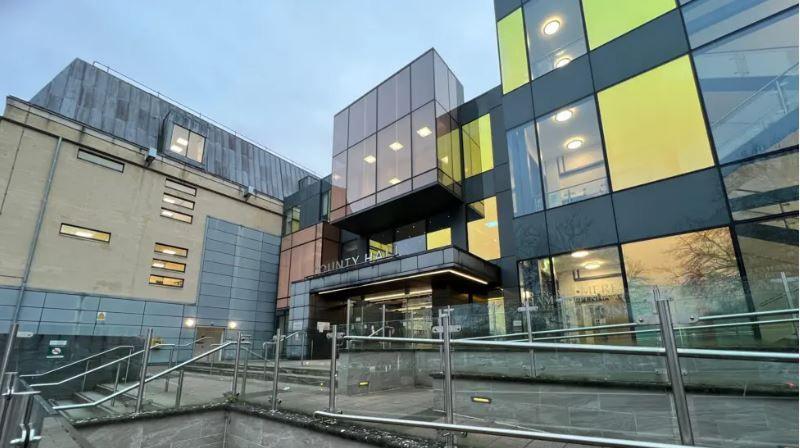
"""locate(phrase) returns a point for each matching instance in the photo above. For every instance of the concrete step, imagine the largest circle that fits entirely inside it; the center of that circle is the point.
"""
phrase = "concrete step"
(290, 375)
(124, 403)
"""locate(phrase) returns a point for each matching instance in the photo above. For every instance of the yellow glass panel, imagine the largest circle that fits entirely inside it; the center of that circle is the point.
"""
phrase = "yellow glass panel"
(653, 126)
(513, 54)
(483, 235)
(439, 238)
(478, 152)
(608, 19)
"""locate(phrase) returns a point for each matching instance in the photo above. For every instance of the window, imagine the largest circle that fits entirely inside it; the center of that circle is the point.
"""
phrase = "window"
(762, 187)
(97, 159)
(422, 80)
(513, 55)
(523, 161)
(361, 161)
(339, 182)
(340, 132)
(161, 280)
(439, 233)
(174, 200)
(536, 289)
(698, 271)
(478, 153)
(325, 205)
(589, 287)
(555, 34)
(749, 86)
(168, 265)
(394, 98)
(166, 249)
(448, 147)
(183, 188)
(178, 216)
(410, 238)
(483, 235)
(291, 221)
(84, 233)
(423, 140)
(572, 154)
(381, 243)
(708, 20)
(653, 126)
(608, 19)
(362, 118)
(394, 153)
(187, 143)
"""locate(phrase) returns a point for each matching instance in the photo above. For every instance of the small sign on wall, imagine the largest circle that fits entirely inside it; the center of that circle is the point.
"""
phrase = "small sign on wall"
(56, 349)
(323, 326)
(101, 316)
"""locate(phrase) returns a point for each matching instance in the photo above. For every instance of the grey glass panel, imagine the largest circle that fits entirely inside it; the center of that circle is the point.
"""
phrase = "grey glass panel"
(762, 187)
(394, 98)
(441, 82)
(422, 80)
(410, 238)
(572, 154)
(423, 139)
(394, 153)
(536, 288)
(361, 162)
(339, 181)
(340, 132)
(707, 20)
(749, 86)
(523, 158)
(555, 34)
(362, 118)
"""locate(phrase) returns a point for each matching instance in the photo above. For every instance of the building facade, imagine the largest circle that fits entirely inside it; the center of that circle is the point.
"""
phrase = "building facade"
(648, 145)
(122, 211)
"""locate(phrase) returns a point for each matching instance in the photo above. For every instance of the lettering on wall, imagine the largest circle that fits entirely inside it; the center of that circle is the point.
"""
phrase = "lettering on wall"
(375, 255)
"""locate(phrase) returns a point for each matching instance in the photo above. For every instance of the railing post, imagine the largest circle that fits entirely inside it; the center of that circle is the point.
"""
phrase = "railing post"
(347, 322)
(275, 370)
(529, 323)
(447, 383)
(235, 379)
(264, 345)
(674, 373)
(116, 382)
(143, 375)
(179, 391)
(169, 365)
(383, 323)
(83, 382)
(128, 365)
(244, 377)
(12, 335)
(332, 378)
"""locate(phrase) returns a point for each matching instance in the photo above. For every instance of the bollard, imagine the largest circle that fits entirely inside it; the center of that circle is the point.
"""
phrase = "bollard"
(143, 375)
(332, 379)
(674, 373)
(275, 370)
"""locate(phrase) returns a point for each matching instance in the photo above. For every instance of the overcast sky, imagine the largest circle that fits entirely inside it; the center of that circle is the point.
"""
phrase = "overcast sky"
(276, 70)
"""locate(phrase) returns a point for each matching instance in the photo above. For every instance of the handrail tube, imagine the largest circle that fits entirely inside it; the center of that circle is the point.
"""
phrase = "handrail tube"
(623, 349)
(518, 433)
(755, 313)
(740, 355)
(738, 324)
(149, 379)
(32, 375)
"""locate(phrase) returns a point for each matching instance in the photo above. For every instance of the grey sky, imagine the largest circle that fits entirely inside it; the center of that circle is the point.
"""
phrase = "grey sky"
(274, 70)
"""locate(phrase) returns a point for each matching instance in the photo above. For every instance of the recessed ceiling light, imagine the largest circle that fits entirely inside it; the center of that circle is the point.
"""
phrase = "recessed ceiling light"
(445, 159)
(396, 146)
(562, 62)
(158, 264)
(394, 181)
(166, 213)
(563, 116)
(575, 143)
(232, 325)
(181, 141)
(591, 265)
(369, 159)
(168, 251)
(176, 148)
(424, 131)
(551, 27)
(84, 234)
(580, 253)
(169, 200)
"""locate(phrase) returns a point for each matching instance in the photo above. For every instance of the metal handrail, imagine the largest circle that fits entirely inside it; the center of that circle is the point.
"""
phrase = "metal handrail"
(34, 375)
(146, 380)
(753, 314)
(518, 433)
(562, 330)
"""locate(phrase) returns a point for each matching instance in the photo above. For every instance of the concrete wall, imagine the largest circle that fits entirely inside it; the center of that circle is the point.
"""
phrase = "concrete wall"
(245, 431)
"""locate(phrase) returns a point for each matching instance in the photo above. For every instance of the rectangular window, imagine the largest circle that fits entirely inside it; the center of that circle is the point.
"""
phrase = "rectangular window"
(168, 265)
(478, 153)
(325, 205)
(536, 290)
(187, 143)
(423, 140)
(606, 21)
(363, 116)
(750, 89)
(166, 249)
(448, 147)
(394, 98)
(177, 186)
(394, 153)
(653, 126)
(708, 20)
(97, 159)
(174, 200)
(762, 187)
(555, 34)
(439, 233)
(410, 238)
(513, 54)
(361, 162)
(161, 280)
(178, 216)
(572, 154)
(291, 221)
(381, 243)
(483, 234)
(523, 162)
(83, 232)
(339, 182)
(698, 271)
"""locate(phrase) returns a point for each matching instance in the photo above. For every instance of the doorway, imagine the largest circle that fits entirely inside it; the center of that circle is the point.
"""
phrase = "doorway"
(205, 337)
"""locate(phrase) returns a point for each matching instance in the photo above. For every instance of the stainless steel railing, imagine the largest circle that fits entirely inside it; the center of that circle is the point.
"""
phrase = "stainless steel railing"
(73, 363)
(20, 417)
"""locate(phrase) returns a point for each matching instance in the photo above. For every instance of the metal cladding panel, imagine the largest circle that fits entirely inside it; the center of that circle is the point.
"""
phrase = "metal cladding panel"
(94, 97)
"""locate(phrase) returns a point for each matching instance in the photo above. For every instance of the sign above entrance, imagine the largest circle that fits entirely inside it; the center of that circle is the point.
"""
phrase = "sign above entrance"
(371, 257)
